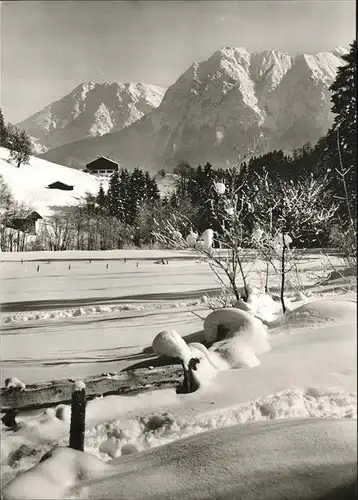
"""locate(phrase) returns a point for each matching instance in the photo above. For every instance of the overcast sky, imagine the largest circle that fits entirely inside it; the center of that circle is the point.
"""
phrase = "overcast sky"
(50, 47)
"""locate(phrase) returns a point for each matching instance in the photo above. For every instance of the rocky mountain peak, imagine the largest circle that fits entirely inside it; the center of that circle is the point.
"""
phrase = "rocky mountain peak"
(91, 109)
(223, 104)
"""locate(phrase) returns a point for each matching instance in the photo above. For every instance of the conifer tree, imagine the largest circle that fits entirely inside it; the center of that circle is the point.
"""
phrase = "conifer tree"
(125, 195)
(152, 190)
(338, 150)
(101, 199)
(20, 147)
(184, 173)
(345, 101)
(3, 131)
(137, 191)
(113, 197)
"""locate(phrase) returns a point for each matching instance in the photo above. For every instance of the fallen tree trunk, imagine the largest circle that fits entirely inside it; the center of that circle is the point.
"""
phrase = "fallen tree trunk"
(46, 394)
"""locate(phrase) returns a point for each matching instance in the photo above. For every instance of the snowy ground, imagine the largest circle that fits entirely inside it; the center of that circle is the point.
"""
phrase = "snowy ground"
(111, 318)
(29, 183)
(59, 322)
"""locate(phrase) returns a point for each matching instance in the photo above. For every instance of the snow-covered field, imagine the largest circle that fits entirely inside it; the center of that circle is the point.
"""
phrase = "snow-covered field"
(61, 322)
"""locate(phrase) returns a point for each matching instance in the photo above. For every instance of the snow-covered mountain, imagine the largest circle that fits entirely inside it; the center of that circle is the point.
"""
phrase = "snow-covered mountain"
(28, 184)
(219, 106)
(90, 110)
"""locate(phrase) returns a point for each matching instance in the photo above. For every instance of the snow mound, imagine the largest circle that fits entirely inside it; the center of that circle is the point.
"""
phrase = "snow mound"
(245, 338)
(261, 305)
(61, 469)
(319, 311)
(227, 319)
(243, 306)
(171, 344)
(237, 351)
(290, 457)
(156, 429)
(140, 430)
(241, 337)
(14, 383)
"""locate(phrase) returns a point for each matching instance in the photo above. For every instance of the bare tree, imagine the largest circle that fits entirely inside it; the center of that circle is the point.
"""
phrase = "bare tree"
(232, 241)
(287, 214)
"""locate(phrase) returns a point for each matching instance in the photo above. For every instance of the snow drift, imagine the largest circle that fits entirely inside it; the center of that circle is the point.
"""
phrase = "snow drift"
(320, 311)
(304, 459)
(243, 336)
(311, 373)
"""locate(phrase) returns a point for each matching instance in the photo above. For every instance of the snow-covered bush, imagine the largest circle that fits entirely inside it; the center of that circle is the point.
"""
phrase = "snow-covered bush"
(273, 218)
(345, 241)
(284, 215)
(12, 239)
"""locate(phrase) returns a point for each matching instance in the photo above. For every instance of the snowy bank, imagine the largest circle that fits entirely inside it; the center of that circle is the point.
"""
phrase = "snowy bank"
(309, 372)
(288, 459)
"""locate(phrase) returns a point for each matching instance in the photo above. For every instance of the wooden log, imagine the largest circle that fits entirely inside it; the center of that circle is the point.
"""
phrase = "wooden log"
(47, 394)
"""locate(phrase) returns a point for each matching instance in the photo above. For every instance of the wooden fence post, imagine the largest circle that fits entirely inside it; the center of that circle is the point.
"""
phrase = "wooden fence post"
(78, 416)
(189, 385)
(192, 385)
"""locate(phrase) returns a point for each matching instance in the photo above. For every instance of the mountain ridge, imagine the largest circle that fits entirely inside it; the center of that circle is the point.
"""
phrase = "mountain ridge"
(90, 110)
(220, 105)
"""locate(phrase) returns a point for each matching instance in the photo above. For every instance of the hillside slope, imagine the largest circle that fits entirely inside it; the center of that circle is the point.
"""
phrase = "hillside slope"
(28, 183)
